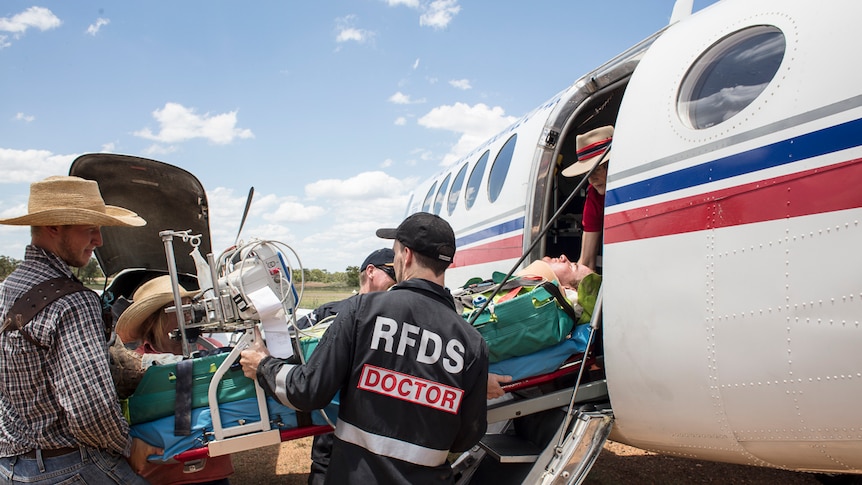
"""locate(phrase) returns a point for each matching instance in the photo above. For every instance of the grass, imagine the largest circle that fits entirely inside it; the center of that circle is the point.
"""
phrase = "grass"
(315, 295)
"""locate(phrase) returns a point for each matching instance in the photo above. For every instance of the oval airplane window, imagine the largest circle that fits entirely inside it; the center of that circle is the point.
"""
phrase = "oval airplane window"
(438, 201)
(426, 206)
(730, 75)
(475, 180)
(457, 183)
(500, 168)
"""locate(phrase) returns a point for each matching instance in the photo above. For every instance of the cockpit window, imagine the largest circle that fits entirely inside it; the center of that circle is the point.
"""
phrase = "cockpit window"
(475, 180)
(438, 201)
(730, 75)
(500, 168)
(457, 183)
(426, 206)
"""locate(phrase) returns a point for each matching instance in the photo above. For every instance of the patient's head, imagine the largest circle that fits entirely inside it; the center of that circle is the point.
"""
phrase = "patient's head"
(569, 273)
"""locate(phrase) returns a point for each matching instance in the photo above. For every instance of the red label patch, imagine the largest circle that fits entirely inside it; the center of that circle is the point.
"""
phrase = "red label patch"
(411, 389)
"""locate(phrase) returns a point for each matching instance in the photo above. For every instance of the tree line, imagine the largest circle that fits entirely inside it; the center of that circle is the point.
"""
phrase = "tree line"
(88, 274)
(92, 273)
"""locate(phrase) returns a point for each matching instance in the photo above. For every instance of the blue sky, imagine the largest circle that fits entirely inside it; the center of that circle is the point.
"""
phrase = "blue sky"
(331, 110)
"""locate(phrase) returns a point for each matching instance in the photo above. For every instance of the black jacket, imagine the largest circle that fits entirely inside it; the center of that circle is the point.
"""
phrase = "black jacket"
(412, 375)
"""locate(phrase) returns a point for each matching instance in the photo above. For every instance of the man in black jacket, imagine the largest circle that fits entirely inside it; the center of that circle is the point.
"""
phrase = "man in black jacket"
(411, 372)
(377, 273)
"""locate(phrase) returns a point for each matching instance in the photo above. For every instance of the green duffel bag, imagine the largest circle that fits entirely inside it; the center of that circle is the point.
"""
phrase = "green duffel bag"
(533, 320)
(155, 396)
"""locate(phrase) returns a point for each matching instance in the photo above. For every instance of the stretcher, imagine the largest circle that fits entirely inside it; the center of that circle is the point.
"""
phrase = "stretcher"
(546, 366)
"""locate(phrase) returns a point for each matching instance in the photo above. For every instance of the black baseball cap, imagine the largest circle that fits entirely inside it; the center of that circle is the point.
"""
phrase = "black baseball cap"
(382, 259)
(425, 233)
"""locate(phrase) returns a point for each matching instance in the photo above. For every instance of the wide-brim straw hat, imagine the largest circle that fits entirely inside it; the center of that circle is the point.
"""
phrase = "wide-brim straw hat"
(149, 298)
(539, 268)
(592, 144)
(69, 201)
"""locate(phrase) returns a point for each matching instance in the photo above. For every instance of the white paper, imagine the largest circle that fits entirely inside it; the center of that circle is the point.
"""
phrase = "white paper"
(272, 318)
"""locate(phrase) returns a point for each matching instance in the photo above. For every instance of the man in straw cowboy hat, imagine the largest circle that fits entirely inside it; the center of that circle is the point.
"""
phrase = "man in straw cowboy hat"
(593, 146)
(59, 414)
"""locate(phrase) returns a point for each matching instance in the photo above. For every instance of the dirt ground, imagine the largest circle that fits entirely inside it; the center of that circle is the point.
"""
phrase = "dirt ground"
(288, 464)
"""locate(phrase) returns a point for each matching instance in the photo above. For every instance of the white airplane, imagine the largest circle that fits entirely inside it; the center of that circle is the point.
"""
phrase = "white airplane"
(732, 291)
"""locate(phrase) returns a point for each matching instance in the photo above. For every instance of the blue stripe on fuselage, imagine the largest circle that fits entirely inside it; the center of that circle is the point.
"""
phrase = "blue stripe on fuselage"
(506, 227)
(827, 140)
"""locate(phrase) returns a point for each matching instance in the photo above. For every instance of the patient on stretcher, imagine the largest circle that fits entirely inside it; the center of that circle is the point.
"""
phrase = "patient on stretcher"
(569, 275)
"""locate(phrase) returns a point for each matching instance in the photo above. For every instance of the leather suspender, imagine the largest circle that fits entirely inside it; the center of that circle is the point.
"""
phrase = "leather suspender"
(34, 301)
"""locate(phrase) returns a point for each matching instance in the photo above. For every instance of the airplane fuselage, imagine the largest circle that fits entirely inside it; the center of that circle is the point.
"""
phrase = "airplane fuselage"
(733, 221)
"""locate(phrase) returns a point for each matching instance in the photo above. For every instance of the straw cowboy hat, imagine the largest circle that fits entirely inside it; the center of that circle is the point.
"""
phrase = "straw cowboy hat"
(590, 145)
(148, 299)
(68, 201)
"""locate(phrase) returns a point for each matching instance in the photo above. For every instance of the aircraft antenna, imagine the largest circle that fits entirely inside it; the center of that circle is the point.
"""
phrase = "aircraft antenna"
(244, 214)
(681, 10)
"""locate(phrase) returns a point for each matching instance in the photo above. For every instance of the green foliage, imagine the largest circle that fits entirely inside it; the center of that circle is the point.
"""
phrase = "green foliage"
(91, 272)
(7, 266)
(323, 276)
(352, 276)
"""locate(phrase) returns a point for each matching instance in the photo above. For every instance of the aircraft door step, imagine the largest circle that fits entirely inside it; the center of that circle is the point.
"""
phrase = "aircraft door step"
(571, 461)
(506, 448)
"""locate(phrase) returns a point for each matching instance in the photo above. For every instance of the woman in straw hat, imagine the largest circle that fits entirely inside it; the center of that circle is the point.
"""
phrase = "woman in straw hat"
(146, 323)
(58, 405)
(592, 147)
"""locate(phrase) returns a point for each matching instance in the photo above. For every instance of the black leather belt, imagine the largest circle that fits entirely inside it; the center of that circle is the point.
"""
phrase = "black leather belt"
(49, 453)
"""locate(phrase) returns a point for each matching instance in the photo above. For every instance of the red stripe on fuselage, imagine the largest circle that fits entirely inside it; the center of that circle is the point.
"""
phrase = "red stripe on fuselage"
(507, 248)
(816, 191)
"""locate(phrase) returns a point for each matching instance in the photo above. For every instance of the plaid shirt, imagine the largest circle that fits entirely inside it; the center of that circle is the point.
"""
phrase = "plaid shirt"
(63, 396)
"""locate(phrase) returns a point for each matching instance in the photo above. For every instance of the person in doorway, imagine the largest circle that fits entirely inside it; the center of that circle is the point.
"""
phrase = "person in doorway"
(146, 323)
(590, 145)
(377, 273)
(60, 419)
(411, 372)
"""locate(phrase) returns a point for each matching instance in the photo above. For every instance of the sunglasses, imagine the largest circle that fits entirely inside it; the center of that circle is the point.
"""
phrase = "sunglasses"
(388, 269)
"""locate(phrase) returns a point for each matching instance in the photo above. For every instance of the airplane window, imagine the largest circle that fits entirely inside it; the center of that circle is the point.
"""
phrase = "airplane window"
(730, 75)
(456, 189)
(426, 206)
(438, 201)
(474, 180)
(500, 168)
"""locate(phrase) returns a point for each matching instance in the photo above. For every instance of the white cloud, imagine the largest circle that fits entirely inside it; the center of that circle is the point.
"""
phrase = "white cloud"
(25, 118)
(178, 123)
(463, 84)
(387, 163)
(401, 98)
(342, 234)
(400, 121)
(36, 17)
(416, 64)
(109, 147)
(93, 29)
(346, 32)
(475, 124)
(278, 209)
(157, 149)
(406, 3)
(439, 13)
(20, 166)
(366, 185)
